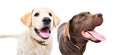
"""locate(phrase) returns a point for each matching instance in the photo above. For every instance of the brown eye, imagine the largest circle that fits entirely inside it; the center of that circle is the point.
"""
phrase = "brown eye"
(50, 14)
(81, 15)
(36, 14)
(88, 12)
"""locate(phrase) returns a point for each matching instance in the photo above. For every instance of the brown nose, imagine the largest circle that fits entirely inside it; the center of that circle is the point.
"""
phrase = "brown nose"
(99, 19)
(98, 15)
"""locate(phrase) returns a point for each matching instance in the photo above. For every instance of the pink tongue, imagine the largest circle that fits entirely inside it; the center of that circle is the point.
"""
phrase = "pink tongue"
(94, 35)
(97, 35)
(44, 33)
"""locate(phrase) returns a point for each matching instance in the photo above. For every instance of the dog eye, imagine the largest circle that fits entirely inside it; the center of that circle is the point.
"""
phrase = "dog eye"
(88, 12)
(36, 14)
(81, 15)
(50, 14)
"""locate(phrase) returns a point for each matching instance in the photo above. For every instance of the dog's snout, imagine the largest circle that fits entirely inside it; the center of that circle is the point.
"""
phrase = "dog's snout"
(99, 19)
(46, 20)
(98, 15)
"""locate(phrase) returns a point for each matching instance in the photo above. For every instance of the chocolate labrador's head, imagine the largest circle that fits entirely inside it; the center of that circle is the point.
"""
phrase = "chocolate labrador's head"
(84, 24)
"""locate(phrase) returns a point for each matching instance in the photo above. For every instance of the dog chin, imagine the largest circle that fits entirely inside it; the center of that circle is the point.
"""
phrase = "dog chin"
(44, 32)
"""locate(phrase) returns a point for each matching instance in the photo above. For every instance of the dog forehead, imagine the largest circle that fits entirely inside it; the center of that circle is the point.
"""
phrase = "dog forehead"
(40, 10)
(84, 13)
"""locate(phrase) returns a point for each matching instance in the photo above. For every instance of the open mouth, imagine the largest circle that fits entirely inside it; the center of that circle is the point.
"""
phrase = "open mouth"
(44, 32)
(93, 35)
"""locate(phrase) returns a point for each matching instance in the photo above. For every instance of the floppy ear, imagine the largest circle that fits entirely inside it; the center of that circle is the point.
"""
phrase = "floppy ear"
(56, 20)
(66, 30)
(26, 19)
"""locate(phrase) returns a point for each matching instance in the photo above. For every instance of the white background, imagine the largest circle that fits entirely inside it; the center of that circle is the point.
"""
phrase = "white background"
(12, 10)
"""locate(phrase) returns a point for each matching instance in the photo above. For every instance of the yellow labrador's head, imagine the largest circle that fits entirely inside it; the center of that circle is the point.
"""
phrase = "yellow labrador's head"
(41, 21)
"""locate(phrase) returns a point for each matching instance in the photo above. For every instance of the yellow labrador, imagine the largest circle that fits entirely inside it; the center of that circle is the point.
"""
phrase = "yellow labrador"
(36, 40)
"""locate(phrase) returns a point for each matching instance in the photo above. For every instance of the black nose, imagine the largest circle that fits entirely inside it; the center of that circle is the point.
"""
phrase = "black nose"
(46, 20)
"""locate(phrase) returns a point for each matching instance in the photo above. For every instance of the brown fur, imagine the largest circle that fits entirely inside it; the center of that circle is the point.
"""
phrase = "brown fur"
(71, 41)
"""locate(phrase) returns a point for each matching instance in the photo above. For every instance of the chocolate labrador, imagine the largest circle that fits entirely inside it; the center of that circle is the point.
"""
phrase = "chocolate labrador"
(74, 35)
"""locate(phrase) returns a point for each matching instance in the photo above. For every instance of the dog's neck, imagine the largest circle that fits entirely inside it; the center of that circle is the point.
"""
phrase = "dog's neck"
(41, 42)
(77, 40)
(77, 48)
